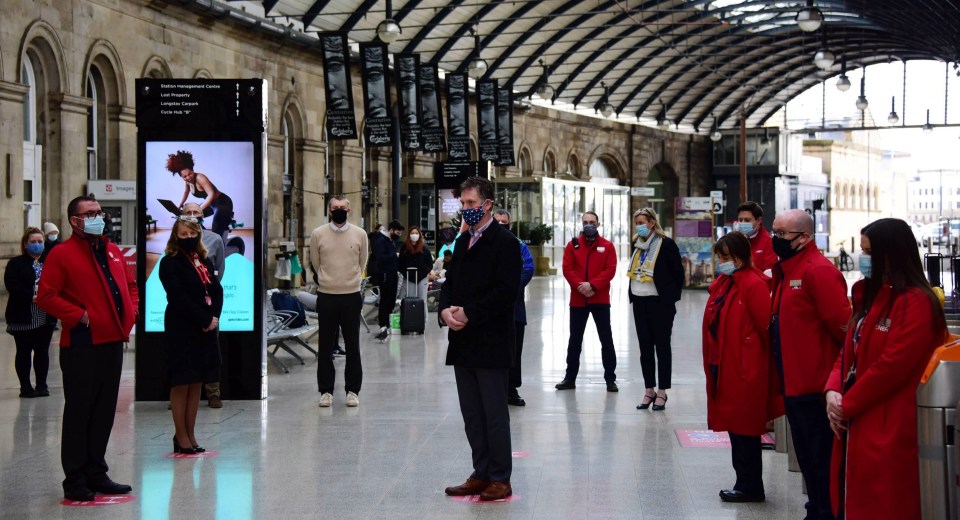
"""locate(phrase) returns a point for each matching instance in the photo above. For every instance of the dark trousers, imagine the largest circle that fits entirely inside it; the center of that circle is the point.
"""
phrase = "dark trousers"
(34, 342)
(388, 298)
(339, 312)
(578, 323)
(747, 463)
(91, 381)
(515, 380)
(813, 442)
(486, 420)
(653, 319)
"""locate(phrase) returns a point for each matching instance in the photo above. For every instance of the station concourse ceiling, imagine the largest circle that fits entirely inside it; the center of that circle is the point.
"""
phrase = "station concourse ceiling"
(696, 60)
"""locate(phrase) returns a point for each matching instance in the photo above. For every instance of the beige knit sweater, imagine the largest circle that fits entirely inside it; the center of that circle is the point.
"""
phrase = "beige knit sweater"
(339, 258)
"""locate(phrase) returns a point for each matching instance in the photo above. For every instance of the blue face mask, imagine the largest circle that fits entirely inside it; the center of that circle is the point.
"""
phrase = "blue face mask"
(34, 248)
(866, 265)
(93, 226)
(643, 231)
(745, 227)
(473, 216)
(726, 268)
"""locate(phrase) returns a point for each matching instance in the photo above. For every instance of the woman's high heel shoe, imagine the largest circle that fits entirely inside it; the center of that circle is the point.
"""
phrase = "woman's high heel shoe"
(660, 407)
(184, 451)
(645, 403)
(199, 449)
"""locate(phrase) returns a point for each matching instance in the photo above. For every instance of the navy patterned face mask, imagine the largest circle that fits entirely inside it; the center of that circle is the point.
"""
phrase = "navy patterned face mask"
(473, 216)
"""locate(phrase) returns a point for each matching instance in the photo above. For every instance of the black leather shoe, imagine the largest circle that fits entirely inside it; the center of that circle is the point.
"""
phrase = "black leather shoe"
(734, 495)
(28, 394)
(566, 384)
(109, 487)
(80, 494)
(612, 386)
(42, 391)
(514, 398)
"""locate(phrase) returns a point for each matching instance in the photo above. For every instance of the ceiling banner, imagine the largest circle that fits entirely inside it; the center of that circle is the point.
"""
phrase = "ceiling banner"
(336, 75)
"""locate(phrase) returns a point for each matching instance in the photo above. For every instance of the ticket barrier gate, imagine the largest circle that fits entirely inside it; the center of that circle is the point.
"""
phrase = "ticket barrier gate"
(937, 410)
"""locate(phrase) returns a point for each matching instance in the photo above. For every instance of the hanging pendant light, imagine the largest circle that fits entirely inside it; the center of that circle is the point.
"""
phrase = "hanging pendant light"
(862, 103)
(546, 89)
(389, 30)
(823, 59)
(477, 65)
(715, 134)
(809, 18)
(605, 107)
(893, 118)
(927, 128)
(843, 82)
(662, 120)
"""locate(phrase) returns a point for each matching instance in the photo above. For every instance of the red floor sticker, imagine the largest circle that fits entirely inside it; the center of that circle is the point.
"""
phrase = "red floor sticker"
(521, 454)
(476, 498)
(101, 500)
(204, 455)
(711, 439)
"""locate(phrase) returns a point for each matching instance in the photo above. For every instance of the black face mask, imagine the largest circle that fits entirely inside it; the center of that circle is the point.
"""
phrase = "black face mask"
(188, 244)
(781, 246)
(339, 216)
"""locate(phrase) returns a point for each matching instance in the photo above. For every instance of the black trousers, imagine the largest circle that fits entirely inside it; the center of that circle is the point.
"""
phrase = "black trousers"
(515, 373)
(578, 323)
(653, 319)
(91, 381)
(486, 420)
(36, 344)
(339, 312)
(813, 443)
(388, 298)
(747, 463)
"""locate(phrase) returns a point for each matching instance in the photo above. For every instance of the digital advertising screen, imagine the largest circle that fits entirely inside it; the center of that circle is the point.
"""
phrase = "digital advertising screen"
(221, 182)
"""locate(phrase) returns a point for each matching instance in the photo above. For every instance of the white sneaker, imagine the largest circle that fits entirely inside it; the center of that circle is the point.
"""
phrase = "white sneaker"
(352, 399)
(326, 400)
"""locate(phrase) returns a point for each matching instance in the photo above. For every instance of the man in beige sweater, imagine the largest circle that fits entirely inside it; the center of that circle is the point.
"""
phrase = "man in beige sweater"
(338, 254)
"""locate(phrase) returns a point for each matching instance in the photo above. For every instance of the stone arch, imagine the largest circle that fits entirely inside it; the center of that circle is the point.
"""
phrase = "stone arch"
(43, 160)
(103, 82)
(525, 160)
(875, 199)
(664, 179)
(613, 157)
(104, 56)
(202, 74)
(549, 162)
(573, 166)
(157, 68)
(861, 199)
(292, 128)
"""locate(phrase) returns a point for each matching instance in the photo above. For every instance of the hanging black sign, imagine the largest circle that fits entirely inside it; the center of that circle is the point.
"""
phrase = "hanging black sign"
(336, 75)
(505, 127)
(377, 130)
(458, 116)
(408, 97)
(487, 120)
(431, 120)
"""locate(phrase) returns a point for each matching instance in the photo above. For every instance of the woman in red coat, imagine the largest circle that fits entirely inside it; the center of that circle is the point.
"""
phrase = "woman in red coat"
(871, 393)
(736, 359)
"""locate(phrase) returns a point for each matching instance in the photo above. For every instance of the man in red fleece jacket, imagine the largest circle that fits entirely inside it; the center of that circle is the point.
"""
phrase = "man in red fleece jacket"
(589, 263)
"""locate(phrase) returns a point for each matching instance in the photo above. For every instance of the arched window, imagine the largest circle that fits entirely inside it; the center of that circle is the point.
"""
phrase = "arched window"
(549, 163)
(573, 165)
(96, 126)
(603, 171)
(524, 163)
(32, 151)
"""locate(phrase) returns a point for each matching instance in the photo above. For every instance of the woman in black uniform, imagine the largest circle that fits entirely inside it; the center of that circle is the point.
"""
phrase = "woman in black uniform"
(214, 203)
(191, 322)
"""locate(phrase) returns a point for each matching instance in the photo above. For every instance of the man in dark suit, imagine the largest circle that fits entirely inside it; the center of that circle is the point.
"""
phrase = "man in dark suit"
(476, 302)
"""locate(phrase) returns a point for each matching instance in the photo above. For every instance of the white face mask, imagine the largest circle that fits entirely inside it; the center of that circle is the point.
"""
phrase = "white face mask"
(414, 238)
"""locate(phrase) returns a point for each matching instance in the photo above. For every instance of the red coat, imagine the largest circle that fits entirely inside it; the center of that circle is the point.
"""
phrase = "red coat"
(897, 339)
(813, 314)
(743, 396)
(72, 283)
(595, 263)
(761, 248)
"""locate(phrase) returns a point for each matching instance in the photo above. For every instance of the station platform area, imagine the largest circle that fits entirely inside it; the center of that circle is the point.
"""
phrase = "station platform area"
(578, 454)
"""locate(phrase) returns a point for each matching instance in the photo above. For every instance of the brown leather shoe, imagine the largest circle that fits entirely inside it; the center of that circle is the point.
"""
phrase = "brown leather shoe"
(471, 487)
(496, 491)
(214, 402)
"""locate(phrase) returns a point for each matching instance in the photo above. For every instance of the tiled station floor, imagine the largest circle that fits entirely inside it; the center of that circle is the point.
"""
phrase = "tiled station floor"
(580, 454)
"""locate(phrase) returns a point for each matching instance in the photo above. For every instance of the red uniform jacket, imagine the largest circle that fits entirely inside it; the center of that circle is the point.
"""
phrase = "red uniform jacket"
(742, 395)
(761, 248)
(72, 283)
(814, 311)
(897, 337)
(595, 263)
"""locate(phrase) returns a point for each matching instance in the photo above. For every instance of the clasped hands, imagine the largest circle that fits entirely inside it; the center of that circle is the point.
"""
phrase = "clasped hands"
(214, 323)
(586, 289)
(835, 412)
(454, 317)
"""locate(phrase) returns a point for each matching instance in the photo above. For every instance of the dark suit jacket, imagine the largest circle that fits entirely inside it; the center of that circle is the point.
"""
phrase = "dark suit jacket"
(667, 272)
(187, 314)
(18, 279)
(485, 281)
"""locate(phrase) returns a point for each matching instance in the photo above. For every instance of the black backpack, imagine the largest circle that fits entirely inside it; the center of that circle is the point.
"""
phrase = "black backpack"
(284, 301)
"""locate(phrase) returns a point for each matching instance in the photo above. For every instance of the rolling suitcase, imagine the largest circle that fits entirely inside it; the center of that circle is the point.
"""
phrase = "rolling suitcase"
(412, 320)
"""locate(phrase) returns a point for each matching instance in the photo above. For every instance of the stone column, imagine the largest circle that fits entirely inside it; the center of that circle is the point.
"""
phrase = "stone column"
(65, 154)
(313, 157)
(11, 167)
(123, 146)
(350, 175)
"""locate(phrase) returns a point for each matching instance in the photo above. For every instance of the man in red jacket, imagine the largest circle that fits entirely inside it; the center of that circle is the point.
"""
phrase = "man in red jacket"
(589, 263)
(750, 223)
(85, 285)
(810, 316)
